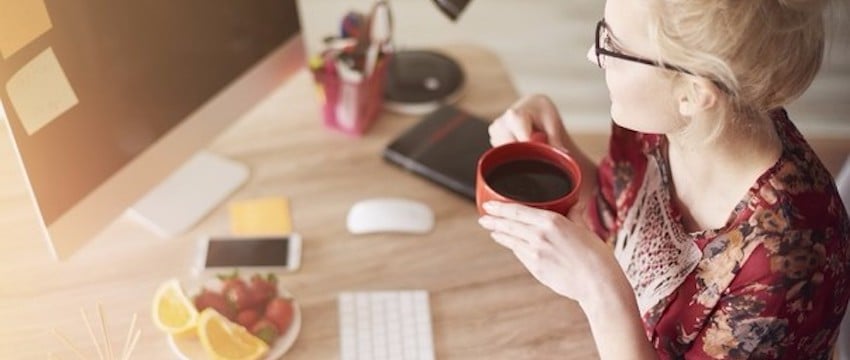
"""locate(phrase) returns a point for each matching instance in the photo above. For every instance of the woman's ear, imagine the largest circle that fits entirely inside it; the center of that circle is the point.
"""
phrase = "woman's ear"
(698, 95)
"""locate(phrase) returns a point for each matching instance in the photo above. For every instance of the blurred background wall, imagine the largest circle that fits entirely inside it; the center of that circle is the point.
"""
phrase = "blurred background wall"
(543, 44)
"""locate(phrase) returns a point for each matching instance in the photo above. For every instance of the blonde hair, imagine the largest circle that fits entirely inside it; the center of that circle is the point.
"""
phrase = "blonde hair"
(764, 52)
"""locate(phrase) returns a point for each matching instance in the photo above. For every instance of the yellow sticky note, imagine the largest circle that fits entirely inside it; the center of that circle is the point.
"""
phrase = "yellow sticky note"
(263, 216)
(21, 22)
(40, 91)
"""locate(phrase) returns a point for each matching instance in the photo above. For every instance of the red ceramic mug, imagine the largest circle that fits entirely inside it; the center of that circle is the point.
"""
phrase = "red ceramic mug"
(532, 173)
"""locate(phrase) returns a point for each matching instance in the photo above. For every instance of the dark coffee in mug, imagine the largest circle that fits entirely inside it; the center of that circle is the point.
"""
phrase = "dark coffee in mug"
(529, 180)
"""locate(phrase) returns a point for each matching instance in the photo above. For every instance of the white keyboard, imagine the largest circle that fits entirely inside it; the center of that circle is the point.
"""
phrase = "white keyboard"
(392, 325)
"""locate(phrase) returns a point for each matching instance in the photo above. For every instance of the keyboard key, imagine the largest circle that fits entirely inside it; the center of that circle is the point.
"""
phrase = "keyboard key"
(393, 325)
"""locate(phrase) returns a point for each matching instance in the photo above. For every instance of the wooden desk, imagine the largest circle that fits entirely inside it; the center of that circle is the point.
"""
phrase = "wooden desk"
(484, 304)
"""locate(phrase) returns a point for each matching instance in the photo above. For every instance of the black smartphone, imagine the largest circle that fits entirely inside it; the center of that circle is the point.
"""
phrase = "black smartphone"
(255, 253)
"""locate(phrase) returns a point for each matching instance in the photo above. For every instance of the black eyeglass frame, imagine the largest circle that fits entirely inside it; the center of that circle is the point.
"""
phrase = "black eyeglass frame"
(600, 51)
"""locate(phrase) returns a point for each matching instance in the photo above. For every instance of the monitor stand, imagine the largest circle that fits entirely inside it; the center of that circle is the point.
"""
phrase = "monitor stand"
(188, 194)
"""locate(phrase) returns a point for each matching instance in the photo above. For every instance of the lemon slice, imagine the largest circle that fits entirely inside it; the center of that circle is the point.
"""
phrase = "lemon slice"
(225, 340)
(172, 310)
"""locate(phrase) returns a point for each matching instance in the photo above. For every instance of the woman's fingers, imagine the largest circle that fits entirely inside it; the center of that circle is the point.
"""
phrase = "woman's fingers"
(529, 257)
(508, 241)
(519, 123)
(521, 120)
(526, 254)
(578, 213)
(520, 213)
(553, 128)
(508, 128)
(499, 134)
(512, 228)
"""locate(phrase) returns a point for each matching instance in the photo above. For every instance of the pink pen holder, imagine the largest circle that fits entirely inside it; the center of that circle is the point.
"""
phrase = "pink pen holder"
(351, 98)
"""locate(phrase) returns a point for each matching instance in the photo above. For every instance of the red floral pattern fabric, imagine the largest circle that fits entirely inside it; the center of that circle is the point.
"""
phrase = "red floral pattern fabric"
(771, 284)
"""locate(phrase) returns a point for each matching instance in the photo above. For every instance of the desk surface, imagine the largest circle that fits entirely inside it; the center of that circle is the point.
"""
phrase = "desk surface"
(484, 304)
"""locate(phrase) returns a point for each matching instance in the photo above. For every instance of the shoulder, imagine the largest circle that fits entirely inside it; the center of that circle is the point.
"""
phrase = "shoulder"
(798, 190)
(796, 233)
(786, 282)
(795, 213)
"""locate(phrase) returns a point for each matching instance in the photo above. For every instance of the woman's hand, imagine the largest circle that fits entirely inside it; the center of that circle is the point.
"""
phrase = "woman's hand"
(572, 261)
(561, 253)
(529, 114)
(537, 113)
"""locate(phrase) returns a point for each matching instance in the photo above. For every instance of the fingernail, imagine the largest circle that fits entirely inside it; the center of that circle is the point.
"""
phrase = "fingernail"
(484, 221)
(489, 206)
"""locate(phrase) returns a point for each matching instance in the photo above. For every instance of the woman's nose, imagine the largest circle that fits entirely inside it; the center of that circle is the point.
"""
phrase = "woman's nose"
(591, 55)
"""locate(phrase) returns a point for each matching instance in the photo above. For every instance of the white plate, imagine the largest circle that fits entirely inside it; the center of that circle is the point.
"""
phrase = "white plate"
(191, 349)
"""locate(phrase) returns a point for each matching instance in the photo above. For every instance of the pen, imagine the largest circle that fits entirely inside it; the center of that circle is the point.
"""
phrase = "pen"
(380, 29)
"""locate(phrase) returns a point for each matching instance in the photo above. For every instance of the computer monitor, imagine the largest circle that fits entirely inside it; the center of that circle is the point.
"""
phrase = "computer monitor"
(110, 103)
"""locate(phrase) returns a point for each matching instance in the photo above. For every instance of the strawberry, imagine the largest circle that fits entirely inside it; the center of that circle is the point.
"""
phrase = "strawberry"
(280, 311)
(266, 330)
(263, 289)
(247, 318)
(212, 299)
(240, 297)
(235, 290)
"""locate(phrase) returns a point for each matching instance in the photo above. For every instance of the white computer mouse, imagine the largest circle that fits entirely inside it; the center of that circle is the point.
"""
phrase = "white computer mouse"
(397, 215)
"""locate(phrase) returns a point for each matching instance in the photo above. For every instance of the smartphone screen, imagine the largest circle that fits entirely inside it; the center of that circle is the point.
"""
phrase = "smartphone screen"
(273, 251)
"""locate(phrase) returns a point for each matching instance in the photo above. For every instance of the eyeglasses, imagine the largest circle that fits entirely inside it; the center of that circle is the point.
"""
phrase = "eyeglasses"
(606, 47)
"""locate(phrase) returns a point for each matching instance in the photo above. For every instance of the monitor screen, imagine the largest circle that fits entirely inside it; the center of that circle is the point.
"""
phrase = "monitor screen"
(90, 86)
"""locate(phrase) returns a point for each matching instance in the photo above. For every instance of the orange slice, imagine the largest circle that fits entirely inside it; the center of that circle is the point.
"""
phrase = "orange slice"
(172, 310)
(225, 340)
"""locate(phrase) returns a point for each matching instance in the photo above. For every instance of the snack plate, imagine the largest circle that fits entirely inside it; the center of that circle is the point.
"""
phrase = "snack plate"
(190, 348)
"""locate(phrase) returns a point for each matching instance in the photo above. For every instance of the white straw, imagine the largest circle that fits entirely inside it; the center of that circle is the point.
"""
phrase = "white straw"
(105, 334)
(69, 344)
(91, 334)
(133, 345)
(124, 353)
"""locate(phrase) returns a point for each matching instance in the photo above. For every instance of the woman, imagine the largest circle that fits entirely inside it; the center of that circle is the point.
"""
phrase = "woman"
(729, 239)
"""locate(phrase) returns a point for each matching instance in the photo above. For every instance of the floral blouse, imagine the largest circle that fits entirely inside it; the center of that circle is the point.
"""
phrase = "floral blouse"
(772, 283)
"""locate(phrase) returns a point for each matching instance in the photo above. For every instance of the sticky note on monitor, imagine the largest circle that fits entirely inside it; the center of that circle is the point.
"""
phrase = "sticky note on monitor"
(40, 91)
(263, 216)
(21, 22)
